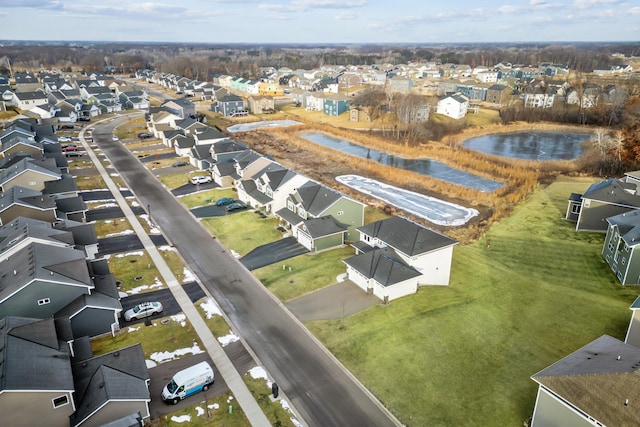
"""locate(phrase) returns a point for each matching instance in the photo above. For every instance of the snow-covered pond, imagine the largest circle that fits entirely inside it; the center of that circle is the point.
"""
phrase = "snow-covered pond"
(432, 209)
(245, 127)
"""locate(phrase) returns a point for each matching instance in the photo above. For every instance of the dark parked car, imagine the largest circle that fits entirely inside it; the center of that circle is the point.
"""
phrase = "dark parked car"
(224, 201)
(235, 206)
(73, 154)
(144, 135)
(179, 163)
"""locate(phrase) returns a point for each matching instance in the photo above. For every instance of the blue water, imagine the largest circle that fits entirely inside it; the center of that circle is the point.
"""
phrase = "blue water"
(531, 145)
(427, 167)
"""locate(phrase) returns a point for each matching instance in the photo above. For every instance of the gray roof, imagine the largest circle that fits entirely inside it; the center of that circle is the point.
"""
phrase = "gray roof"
(612, 191)
(185, 141)
(72, 204)
(119, 375)
(26, 197)
(32, 356)
(252, 190)
(383, 266)
(66, 184)
(45, 263)
(315, 198)
(83, 233)
(22, 228)
(289, 216)
(227, 146)
(406, 236)
(209, 133)
(599, 379)
(323, 226)
(628, 224)
(25, 165)
(201, 151)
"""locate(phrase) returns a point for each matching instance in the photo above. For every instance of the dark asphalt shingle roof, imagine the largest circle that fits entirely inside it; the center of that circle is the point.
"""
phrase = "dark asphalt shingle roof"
(383, 266)
(613, 191)
(315, 198)
(406, 236)
(323, 226)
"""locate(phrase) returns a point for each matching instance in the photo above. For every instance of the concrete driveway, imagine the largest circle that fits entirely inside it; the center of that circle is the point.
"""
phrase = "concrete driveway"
(273, 252)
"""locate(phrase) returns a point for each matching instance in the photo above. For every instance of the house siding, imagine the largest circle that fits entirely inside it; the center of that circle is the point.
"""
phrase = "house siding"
(92, 322)
(17, 210)
(352, 217)
(395, 291)
(328, 242)
(633, 333)
(594, 217)
(551, 412)
(30, 180)
(113, 411)
(33, 408)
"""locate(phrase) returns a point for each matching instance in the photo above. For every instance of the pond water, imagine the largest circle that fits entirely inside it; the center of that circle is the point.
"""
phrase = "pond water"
(531, 145)
(432, 209)
(427, 167)
(245, 127)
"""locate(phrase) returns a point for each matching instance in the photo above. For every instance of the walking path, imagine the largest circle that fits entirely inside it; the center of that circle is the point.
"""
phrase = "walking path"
(223, 364)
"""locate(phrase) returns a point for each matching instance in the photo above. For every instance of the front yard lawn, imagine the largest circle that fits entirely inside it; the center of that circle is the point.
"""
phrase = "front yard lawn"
(243, 231)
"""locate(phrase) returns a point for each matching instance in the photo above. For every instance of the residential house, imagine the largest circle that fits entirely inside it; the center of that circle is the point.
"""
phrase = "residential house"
(312, 201)
(269, 187)
(28, 100)
(37, 382)
(334, 105)
(454, 106)
(498, 94)
(270, 89)
(538, 98)
(593, 386)
(20, 144)
(487, 76)
(20, 201)
(134, 100)
(620, 248)
(181, 107)
(229, 106)
(26, 173)
(603, 200)
(261, 104)
(428, 252)
(633, 331)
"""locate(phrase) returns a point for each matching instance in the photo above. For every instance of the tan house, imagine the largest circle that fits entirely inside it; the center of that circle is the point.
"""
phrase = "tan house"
(261, 104)
(27, 174)
(270, 89)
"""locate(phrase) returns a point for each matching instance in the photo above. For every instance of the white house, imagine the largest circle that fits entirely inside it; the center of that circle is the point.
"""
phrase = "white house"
(454, 106)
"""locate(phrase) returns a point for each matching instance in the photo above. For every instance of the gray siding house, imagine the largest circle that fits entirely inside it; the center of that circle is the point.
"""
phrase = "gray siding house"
(620, 248)
(603, 200)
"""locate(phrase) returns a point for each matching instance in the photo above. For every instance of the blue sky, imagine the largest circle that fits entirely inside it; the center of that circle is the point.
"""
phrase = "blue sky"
(321, 21)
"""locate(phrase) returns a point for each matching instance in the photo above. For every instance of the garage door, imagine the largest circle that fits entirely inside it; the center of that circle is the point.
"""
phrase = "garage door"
(305, 240)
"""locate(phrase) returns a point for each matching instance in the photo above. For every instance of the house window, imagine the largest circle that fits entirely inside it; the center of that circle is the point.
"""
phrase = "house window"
(624, 261)
(60, 401)
(575, 209)
(44, 301)
(340, 213)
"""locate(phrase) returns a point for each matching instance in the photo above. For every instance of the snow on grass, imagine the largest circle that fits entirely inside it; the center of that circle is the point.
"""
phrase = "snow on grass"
(114, 174)
(135, 253)
(135, 204)
(180, 318)
(213, 406)
(228, 339)
(132, 329)
(181, 418)
(259, 373)
(199, 411)
(142, 288)
(122, 233)
(229, 399)
(165, 356)
(150, 364)
(152, 228)
(188, 276)
(106, 205)
(235, 254)
(166, 248)
(210, 308)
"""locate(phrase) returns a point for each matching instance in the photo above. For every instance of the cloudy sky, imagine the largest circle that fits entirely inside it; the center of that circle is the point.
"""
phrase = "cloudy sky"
(321, 21)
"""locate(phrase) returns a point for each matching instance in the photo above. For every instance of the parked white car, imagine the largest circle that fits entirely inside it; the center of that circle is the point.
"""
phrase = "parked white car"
(142, 310)
(200, 179)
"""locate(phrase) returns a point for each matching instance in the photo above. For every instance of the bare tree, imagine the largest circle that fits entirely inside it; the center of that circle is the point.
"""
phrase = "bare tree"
(601, 140)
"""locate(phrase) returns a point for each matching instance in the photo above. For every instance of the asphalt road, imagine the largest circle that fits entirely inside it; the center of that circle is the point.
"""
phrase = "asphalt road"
(317, 385)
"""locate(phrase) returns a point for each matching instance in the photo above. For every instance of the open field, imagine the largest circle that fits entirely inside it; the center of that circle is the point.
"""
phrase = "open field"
(528, 293)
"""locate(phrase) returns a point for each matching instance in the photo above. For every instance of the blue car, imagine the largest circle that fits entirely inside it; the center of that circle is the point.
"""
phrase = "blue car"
(235, 206)
(224, 201)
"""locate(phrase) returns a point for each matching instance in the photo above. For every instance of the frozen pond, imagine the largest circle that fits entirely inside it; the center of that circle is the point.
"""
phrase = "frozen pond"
(531, 145)
(245, 127)
(427, 167)
(432, 209)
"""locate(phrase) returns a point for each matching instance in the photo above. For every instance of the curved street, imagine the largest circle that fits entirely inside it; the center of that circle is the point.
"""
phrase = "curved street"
(322, 391)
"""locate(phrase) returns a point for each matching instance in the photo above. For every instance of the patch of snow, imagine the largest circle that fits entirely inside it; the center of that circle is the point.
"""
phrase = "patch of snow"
(229, 399)
(188, 276)
(135, 204)
(180, 318)
(235, 254)
(132, 329)
(114, 174)
(106, 205)
(135, 253)
(142, 288)
(165, 248)
(244, 127)
(181, 418)
(152, 228)
(108, 221)
(258, 372)
(199, 411)
(228, 339)
(435, 210)
(214, 406)
(210, 308)
(122, 233)
(341, 277)
(164, 356)
(150, 364)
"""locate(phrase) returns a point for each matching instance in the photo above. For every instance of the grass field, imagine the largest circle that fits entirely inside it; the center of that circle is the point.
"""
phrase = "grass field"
(530, 292)
(243, 231)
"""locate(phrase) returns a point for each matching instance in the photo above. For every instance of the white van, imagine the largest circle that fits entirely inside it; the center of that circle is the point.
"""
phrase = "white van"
(187, 382)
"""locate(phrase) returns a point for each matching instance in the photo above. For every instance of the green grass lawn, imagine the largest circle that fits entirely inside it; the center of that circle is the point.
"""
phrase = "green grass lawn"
(174, 180)
(527, 294)
(212, 412)
(304, 273)
(243, 231)
(205, 198)
(135, 270)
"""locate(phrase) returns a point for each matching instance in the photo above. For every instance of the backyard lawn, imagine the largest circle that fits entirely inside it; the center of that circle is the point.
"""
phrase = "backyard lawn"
(527, 294)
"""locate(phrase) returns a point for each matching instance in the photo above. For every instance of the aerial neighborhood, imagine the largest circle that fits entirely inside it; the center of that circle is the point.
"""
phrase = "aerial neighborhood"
(58, 293)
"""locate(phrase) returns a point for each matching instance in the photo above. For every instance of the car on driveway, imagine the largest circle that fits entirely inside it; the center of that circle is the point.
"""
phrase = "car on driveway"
(73, 154)
(179, 163)
(200, 179)
(143, 310)
(144, 135)
(70, 147)
(64, 139)
(224, 201)
(235, 206)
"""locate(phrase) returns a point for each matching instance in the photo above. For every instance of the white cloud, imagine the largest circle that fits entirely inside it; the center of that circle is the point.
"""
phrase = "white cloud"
(328, 4)
(36, 4)
(588, 4)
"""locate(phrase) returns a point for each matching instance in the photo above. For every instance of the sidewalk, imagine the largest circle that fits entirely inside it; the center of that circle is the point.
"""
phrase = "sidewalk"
(223, 364)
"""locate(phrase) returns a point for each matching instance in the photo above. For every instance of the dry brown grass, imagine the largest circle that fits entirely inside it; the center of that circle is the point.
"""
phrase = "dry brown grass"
(323, 164)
